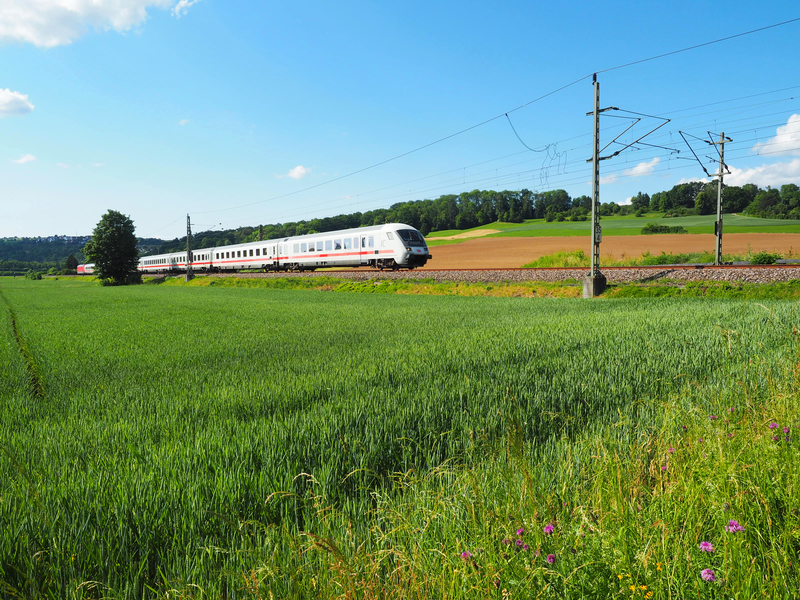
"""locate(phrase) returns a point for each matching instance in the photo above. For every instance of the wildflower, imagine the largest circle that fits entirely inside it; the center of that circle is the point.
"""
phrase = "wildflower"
(620, 577)
(775, 438)
(658, 567)
(733, 526)
(497, 583)
(708, 575)
(713, 417)
(648, 595)
(664, 468)
(643, 587)
(671, 450)
(466, 555)
(700, 440)
(526, 547)
(521, 531)
(788, 439)
(730, 409)
(706, 546)
(785, 430)
(730, 435)
(773, 425)
(549, 528)
(632, 588)
(518, 542)
(683, 427)
(551, 558)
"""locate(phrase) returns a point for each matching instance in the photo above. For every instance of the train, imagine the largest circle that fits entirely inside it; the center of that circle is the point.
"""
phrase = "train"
(391, 246)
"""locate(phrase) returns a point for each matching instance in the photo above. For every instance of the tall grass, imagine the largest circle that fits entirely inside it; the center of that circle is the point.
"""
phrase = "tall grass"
(238, 443)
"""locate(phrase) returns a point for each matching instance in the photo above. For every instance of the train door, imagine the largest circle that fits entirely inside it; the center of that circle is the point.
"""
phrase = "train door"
(273, 250)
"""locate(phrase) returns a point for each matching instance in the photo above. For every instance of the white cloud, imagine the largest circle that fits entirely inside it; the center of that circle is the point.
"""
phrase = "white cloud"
(776, 174)
(13, 103)
(642, 169)
(183, 122)
(297, 173)
(692, 179)
(786, 140)
(24, 159)
(49, 23)
(182, 7)
(627, 202)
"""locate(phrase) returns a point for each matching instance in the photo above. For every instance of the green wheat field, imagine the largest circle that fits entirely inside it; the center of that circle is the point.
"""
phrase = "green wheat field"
(176, 441)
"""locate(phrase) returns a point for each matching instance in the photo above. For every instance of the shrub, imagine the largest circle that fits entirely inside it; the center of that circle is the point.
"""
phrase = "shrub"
(764, 258)
(653, 228)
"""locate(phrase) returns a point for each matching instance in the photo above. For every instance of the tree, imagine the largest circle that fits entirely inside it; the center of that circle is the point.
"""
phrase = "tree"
(704, 204)
(71, 263)
(112, 248)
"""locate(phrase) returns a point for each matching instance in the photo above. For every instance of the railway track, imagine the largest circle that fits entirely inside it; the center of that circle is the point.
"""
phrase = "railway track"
(681, 273)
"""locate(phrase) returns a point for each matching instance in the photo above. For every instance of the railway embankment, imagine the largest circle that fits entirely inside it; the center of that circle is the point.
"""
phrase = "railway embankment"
(677, 273)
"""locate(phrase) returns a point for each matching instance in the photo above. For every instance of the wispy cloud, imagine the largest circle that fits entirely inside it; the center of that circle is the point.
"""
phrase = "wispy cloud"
(98, 165)
(786, 140)
(183, 6)
(13, 103)
(183, 122)
(775, 175)
(25, 158)
(50, 23)
(640, 170)
(297, 173)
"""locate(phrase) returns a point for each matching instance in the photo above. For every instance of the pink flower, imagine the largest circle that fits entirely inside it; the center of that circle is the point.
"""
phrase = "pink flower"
(713, 417)
(773, 425)
(466, 555)
(518, 542)
(708, 575)
(671, 450)
(664, 468)
(706, 547)
(551, 558)
(520, 531)
(549, 529)
(785, 430)
(733, 526)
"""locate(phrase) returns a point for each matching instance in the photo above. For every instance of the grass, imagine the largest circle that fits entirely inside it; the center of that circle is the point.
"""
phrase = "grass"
(630, 225)
(246, 442)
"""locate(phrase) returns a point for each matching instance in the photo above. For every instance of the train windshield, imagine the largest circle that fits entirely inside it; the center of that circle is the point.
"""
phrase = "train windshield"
(411, 237)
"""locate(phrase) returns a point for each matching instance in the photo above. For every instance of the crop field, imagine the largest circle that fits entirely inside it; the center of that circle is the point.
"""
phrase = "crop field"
(224, 442)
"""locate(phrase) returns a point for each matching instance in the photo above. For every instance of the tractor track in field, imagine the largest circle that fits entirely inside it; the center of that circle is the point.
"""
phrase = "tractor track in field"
(36, 387)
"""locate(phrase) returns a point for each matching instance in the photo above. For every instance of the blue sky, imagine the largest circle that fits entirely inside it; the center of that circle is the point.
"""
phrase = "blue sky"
(242, 113)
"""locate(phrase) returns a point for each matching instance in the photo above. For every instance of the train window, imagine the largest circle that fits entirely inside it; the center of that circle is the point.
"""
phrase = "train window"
(296, 248)
(238, 254)
(258, 251)
(390, 235)
(371, 241)
(363, 242)
(311, 246)
(264, 251)
(328, 245)
(337, 244)
(303, 247)
(251, 252)
(347, 243)
(227, 255)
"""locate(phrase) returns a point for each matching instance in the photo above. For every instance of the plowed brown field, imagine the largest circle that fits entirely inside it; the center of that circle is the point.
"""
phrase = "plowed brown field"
(512, 252)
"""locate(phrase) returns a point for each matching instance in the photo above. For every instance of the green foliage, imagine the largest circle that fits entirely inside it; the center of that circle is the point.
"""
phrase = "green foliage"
(113, 248)
(279, 445)
(33, 275)
(654, 228)
(764, 258)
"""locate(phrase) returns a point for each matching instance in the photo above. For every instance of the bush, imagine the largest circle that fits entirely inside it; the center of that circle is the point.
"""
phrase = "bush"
(35, 275)
(764, 258)
(653, 228)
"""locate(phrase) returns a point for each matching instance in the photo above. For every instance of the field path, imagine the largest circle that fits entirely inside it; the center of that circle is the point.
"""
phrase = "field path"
(512, 252)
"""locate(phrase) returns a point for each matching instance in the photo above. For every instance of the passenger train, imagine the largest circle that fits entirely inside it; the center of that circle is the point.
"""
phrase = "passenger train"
(391, 246)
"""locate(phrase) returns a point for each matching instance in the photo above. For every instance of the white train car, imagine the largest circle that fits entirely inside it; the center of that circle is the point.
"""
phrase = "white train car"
(86, 269)
(391, 246)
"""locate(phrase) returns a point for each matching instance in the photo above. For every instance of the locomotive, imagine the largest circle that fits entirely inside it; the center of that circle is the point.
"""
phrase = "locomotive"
(391, 246)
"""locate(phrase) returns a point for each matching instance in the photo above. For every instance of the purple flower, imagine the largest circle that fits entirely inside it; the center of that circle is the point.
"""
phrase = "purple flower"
(730, 409)
(683, 427)
(671, 450)
(526, 547)
(549, 529)
(785, 430)
(775, 438)
(708, 575)
(551, 558)
(733, 526)
(713, 417)
(664, 468)
(700, 440)
(466, 555)
(518, 542)
(773, 425)
(788, 439)
(706, 547)
(730, 435)
(521, 531)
